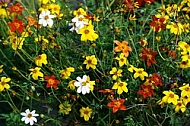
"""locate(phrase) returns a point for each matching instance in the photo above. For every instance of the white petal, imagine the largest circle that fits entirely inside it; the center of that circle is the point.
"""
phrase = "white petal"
(50, 22)
(34, 119)
(77, 84)
(41, 16)
(35, 115)
(31, 122)
(79, 89)
(44, 23)
(27, 120)
(40, 21)
(23, 118)
(27, 111)
(84, 78)
(83, 90)
(78, 78)
(47, 12)
(23, 114)
(51, 16)
(33, 112)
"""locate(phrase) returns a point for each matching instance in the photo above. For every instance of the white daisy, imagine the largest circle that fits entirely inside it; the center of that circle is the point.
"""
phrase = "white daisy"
(46, 18)
(77, 23)
(82, 84)
(29, 117)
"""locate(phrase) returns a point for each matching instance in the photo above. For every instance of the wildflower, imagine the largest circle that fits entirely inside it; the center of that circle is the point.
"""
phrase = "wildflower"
(55, 8)
(184, 46)
(66, 73)
(170, 97)
(79, 12)
(157, 24)
(186, 27)
(161, 102)
(185, 90)
(148, 55)
(90, 61)
(184, 64)
(107, 91)
(16, 25)
(176, 28)
(78, 23)
(132, 18)
(85, 112)
(128, 4)
(16, 42)
(31, 21)
(4, 84)
(51, 82)
(4, 13)
(172, 54)
(131, 68)
(180, 106)
(41, 39)
(65, 108)
(36, 73)
(139, 72)
(122, 60)
(143, 42)
(116, 73)
(17, 9)
(83, 84)
(117, 105)
(41, 59)
(185, 99)
(146, 91)
(156, 79)
(122, 47)
(91, 17)
(88, 33)
(29, 117)
(46, 18)
(71, 84)
(120, 86)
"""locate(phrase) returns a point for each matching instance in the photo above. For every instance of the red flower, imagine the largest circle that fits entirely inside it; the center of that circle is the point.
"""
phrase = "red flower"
(117, 105)
(148, 55)
(51, 82)
(107, 91)
(146, 91)
(17, 8)
(157, 24)
(129, 5)
(172, 54)
(156, 79)
(141, 2)
(16, 25)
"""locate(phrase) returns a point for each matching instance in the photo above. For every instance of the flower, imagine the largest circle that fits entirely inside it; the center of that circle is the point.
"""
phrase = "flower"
(41, 59)
(83, 84)
(131, 68)
(79, 12)
(46, 18)
(185, 90)
(41, 39)
(90, 61)
(157, 24)
(36, 73)
(148, 55)
(17, 9)
(31, 21)
(185, 99)
(51, 82)
(146, 91)
(71, 84)
(4, 84)
(156, 79)
(16, 25)
(170, 97)
(88, 33)
(116, 73)
(184, 46)
(122, 60)
(29, 117)
(122, 47)
(117, 105)
(104, 91)
(65, 108)
(16, 42)
(180, 106)
(85, 112)
(176, 28)
(139, 72)
(66, 73)
(120, 86)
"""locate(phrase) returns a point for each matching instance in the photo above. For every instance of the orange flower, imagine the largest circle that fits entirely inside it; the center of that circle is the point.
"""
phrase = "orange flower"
(148, 55)
(122, 47)
(146, 91)
(17, 8)
(107, 91)
(16, 25)
(51, 82)
(32, 21)
(117, 105)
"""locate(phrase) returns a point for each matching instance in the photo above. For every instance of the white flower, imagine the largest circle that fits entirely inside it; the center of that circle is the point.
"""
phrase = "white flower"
(29, 117)
(46, 18)
(82, 84)
(77, 23)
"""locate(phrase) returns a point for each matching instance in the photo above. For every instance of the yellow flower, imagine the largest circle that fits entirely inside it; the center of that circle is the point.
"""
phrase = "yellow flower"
(4, 13)
(45, 1)
(92, 83)
(185, 99)
(139, 72)
(184, 46)
(36, 73)
(41, 39)
(41, 59)
(79, 12)
(131, 68)
(3, 83)
(116, 73)
(88, 33)
(55, 8)
(90, 61)
(184, 64)
(85, 112)
(120, 86)
(66, 73)
(122, 60)
(180, 106)
(65, 108)
(176, 28)
(161, 102)
(185, 90)
(132, 18)
(1, 68)
(170, 97)
(16, 42)
(71, 84)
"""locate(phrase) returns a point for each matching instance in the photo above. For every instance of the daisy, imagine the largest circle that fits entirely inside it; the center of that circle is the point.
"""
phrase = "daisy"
(29, 117)
(46, 18)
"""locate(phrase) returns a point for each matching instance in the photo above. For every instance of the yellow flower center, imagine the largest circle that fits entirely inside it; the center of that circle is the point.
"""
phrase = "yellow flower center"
(16, 8)
(79, 13)
(89, 61)
(46, 17)
(140, 71)
(86, 31)
(171, 95)
(86, 112)
(51, 81)
(117, 104)
(120, 84)
(34, 71)
(29, 115)
(122, 60)
(84, 83)
(16, 25)
(3, 83)
(39, 58)
(187, 89)
(179, 104)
